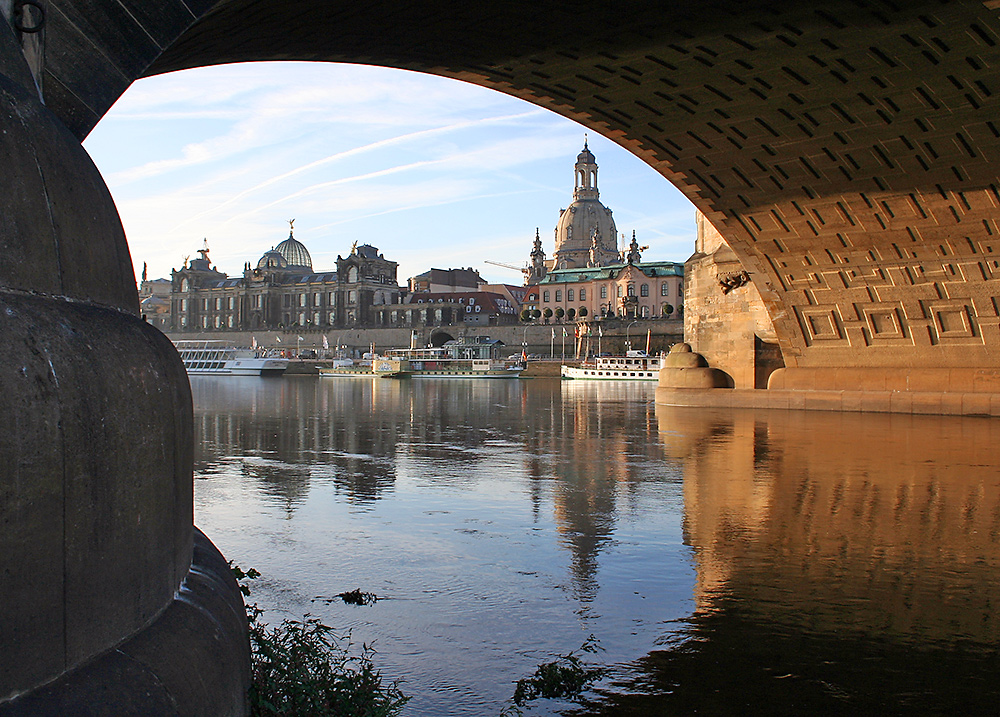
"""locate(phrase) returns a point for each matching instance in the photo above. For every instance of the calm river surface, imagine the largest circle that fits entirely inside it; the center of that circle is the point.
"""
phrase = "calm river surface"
(728, 563)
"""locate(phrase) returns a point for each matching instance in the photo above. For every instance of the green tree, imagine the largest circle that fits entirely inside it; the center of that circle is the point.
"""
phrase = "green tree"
(570, 314)
(559, 312)
(525, 314)
(668, 309)
(547, 313)
(583, 311)
(536, 314)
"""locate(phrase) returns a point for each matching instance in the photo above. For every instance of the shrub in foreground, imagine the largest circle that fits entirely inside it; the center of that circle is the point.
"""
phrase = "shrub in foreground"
(302, 669)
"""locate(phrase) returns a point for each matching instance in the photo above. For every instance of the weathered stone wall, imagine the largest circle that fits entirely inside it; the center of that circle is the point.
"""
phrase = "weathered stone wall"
(731, 329)
(539, 337)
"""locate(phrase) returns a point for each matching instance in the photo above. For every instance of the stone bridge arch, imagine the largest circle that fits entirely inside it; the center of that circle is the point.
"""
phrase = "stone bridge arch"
(846, 150)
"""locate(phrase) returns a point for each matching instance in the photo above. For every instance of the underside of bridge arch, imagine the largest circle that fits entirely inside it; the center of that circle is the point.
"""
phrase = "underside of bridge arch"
(846, 150)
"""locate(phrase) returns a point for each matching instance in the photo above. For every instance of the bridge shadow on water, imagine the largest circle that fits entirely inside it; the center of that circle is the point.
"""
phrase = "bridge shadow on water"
(846, 564)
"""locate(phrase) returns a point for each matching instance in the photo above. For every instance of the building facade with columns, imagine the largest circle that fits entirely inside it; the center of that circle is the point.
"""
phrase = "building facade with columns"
(283, 291)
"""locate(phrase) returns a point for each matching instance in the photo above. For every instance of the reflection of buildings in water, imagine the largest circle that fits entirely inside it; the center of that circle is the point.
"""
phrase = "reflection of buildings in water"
(302, 435)
(287, 485)
(595, 429)
(869, 524)
(574, 443)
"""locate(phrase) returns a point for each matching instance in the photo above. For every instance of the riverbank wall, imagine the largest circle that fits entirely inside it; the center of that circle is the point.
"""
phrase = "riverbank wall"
(545, 340)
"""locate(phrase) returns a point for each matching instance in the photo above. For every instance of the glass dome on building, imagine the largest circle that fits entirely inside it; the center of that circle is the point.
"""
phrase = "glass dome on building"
(295, 253)
(272, 259)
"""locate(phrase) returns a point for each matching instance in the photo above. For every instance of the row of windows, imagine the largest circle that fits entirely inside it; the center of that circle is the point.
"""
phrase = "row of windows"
(461, 300)
(228, 303)
(630, 291)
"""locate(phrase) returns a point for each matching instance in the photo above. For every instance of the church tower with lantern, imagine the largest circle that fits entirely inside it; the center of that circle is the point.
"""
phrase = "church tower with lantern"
(585, 235)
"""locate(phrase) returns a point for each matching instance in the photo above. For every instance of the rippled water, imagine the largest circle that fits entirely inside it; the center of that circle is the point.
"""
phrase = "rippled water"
(728, 562)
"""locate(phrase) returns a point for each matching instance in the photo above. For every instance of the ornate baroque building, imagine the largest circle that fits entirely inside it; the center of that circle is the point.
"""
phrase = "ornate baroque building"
(283, 291)
(587, 277)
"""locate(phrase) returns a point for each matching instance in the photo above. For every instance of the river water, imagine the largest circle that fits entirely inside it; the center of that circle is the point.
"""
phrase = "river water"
(726, 562)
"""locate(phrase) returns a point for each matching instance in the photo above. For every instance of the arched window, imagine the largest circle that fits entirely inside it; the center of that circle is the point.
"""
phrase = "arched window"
(604, 291)
(664, 289)
(558, 294)
(583, 294)
(352, 274)
(570, 294)
(545, 297)
(644, 290)
(631, 290)
(620, 292)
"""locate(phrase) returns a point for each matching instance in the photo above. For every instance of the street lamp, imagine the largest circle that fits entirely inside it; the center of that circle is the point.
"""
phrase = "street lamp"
(628, 344)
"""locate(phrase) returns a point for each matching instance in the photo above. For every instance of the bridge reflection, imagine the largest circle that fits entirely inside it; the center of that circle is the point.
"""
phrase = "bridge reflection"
(844, 563)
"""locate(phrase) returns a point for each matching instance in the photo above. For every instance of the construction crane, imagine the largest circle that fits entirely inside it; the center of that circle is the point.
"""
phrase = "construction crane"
(526, 270)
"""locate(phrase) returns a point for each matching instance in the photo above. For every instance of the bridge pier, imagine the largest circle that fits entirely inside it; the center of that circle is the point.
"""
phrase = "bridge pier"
(112, 604)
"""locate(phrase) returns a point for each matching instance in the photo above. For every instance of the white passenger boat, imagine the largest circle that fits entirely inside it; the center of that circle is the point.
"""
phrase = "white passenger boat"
(633, 366)
(217, 358)
(472, 357)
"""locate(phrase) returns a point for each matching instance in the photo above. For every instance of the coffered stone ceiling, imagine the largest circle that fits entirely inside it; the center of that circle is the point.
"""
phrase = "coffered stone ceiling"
(847, 150)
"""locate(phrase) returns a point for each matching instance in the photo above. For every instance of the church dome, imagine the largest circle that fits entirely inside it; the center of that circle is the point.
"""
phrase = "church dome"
(295, 253)
(586, 234)
(272, 259)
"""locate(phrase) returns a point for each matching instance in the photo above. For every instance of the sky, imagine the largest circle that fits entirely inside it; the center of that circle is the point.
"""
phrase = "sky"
(432, 171)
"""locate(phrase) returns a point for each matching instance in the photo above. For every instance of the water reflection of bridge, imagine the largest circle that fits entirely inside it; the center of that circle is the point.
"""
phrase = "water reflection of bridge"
(844, 563)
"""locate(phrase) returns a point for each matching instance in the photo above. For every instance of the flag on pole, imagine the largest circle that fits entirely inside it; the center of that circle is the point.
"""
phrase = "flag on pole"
(278, 339)
(253, 342)
(301, 339)
(564, 332)
(600, 332)
(326, 344)
(553, 332)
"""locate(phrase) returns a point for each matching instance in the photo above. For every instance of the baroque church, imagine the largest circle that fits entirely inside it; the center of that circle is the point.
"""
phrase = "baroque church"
(283, 291)
(587, 276)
